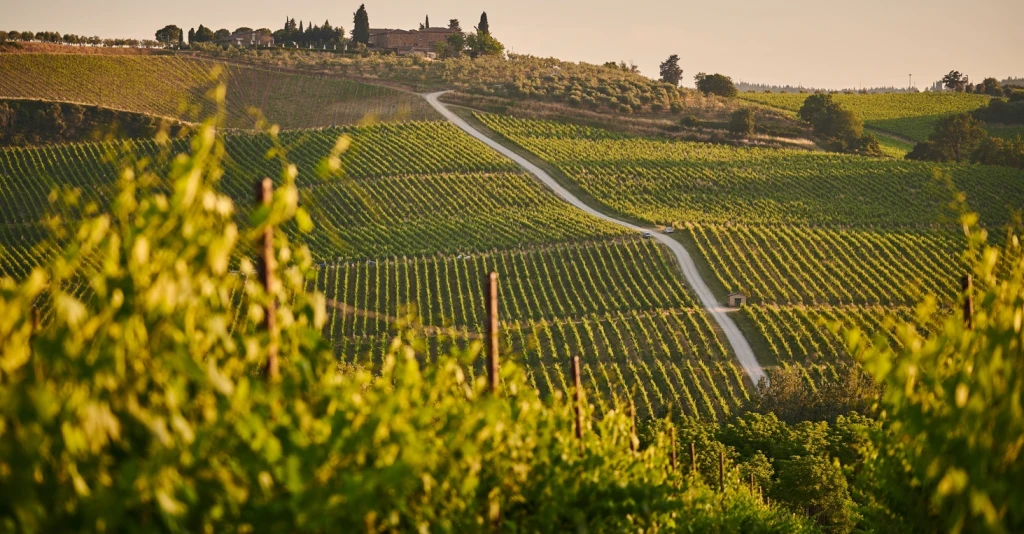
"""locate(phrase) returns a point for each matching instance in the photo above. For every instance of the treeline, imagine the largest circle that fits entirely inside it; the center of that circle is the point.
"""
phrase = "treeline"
(839, 129)
(963, 137)
(72, 39)
(959, 82)
(747, 87)
(309, 34)
(30, 122)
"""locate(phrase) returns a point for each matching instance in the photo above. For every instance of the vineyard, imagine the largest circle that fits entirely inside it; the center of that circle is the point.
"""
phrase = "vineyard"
(420, 216)
(175, 87)
(910, 115)
(671, 182)
(815, 240)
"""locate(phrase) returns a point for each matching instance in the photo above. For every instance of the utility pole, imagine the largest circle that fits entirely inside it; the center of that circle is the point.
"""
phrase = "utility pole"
(910, 85)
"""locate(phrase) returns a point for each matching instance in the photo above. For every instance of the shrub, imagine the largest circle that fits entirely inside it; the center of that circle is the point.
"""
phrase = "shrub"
(715, 84)
(952, 398)
(742, 123)
(691, 121)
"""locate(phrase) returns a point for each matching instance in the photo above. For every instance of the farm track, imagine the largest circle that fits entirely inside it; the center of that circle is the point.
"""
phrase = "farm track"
(741, 348)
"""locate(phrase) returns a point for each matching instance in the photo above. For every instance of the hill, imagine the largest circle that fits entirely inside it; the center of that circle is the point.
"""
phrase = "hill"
(423, 213)
(176, 87)
(909, 115)
(812, 239)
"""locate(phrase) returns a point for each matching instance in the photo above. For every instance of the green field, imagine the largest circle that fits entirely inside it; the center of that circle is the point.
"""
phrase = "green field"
(176, 87)
(910, 115)
(425, 213)
(671, 182)
(812, 238)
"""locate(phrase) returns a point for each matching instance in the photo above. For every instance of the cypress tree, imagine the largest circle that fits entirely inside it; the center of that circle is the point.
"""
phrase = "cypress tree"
(428, 21)
(361, 29)
(191, 35)
(483, 27)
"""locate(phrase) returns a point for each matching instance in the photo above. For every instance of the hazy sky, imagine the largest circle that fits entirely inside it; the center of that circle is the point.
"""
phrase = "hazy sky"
(822, 43)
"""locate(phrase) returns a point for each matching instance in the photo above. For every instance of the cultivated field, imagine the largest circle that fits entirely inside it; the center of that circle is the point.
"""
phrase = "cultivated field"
(176, 87)
(910, 115)
(811, 238)
(422, 214)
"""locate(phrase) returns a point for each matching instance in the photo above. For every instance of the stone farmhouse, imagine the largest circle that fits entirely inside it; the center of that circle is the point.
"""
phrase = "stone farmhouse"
(249, 38)
(405, 42)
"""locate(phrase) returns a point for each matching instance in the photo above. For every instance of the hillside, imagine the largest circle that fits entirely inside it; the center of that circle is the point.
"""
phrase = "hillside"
(909, 115)
(427, 214)
(812, 239)
(175, 87)
(769, 337)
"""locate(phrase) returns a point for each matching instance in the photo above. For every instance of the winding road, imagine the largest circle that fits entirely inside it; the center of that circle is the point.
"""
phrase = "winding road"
(732, 333)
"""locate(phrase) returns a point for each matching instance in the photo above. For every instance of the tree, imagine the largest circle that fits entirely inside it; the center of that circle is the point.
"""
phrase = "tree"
(204, 34)
(843, 125)
(996, 151)
(954, 81)
(455, 44)
(169, 34)
(954, 138)
(990, 86)
(483, 44)
(715, 84)
(361, 26)
(191, 35)
(742, 123)
(817, 107)
(242, 29)
(222, 33)
(483, 28)
(815, 486)
(453, 24)
(670, 71)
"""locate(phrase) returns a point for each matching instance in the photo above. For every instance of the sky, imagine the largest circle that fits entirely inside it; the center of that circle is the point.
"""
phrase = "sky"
(816, 43)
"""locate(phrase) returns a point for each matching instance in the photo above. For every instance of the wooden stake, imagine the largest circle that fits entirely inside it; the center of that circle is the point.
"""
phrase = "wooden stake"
(967, 284)
(760, 494)
(721, 470)
(672, 455)
(265, 267)
(632, 427)
(578, 399)
(37, 321)
(693, 460)
(751, 482)
(492, 331)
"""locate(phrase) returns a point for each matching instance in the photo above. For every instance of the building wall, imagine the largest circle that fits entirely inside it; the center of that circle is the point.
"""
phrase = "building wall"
(402, 40)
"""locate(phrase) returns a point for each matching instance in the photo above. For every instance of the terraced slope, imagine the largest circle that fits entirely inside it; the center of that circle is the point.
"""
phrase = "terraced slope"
(810, 238)
(424, 213)
(173, 86)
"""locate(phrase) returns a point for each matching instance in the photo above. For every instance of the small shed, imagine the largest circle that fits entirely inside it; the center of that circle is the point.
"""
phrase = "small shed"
(737, 299)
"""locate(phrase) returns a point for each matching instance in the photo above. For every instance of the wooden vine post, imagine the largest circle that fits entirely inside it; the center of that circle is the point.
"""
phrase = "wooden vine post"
(578, 400)
(632, 426)
(967, 284)
(265, 269)
(492, 331)
(693, 460)
(672, 454)
(721, 470)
